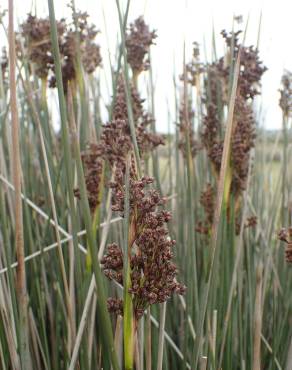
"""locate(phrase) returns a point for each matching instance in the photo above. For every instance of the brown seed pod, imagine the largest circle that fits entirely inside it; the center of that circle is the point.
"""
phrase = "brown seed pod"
(285, 235)
(138, 41)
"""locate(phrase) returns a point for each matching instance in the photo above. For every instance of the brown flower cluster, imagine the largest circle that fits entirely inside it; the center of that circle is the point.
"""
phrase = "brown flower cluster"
(138, 42)
(243, 140)
(93, 170)
(37, 44)
(217, 83)
(115, 143)
(250, 222)
(4, 64)
(251, 71)
(186, 131)
(286, 236)
(147, 141)
(207, 201)
(286, 94)
(251, 67)
(194, 68)
(153, 274)
(211, 136)
(152, 270)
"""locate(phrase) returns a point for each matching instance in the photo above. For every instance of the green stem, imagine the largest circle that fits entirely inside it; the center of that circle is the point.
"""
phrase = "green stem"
(284, 171)
(129, 330)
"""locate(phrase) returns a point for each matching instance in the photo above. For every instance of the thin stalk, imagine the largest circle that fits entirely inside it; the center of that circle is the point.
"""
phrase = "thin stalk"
(203, 363)
(289, 357)
(214, 335)
(161, 335)
(190, 191)
(129, 326)
(22, 295)
(258, 319)
(82, 324)
(118, 338)
(84, 129)
(140, 336)
(154, 154)
(234, 274)
(284, 171)
(148, 340)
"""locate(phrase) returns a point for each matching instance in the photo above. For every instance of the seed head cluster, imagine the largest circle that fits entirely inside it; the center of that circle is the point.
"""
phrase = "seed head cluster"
(286, 94)
(37, 44)
(152, 270)
(147, 141)
(4, 64)
(153, 274)
(93, 169)
(251, 71)
(207, 201)
(250, 222)
(243, 141)
(115, 143)
(215, 100)
(286, 236)
(195, 68)
(150, 249)
(73, 39)
(138, 41)
(186, 131)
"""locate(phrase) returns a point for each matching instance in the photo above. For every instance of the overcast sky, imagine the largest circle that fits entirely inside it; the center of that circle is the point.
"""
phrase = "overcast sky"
(191, 20)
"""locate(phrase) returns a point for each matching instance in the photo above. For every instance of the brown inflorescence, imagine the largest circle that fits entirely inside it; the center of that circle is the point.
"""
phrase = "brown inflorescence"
(195, 68)
(251, 68)
(207, 200)
(115, 142)
(4, 64)
(153, 274)
(186, 131)
(286, 236)
(217, 85)
(147, 140)
(93, 163)
(216, 99)
(37, 44)
(250, 222)
(286, 94)
(191, 75)
(115, 305)
(211, 138)
(138, 42)
(91, 57)
(243, 141)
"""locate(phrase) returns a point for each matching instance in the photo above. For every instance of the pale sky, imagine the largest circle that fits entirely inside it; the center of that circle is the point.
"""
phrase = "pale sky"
(191, 20)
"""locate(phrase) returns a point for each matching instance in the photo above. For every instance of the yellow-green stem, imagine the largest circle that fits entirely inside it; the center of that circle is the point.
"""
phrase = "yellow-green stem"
(129, 322)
